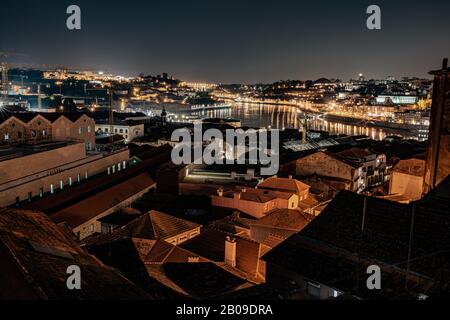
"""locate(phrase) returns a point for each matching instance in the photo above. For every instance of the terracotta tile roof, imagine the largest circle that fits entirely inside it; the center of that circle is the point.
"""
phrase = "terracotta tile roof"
(415, 167)
(205, 280)
(164, 252)
(26, 117)
(157, 225)
(335, 236)
(355, 153)
(35, 254)
(210, 244)
(284, 185)
(285, 219)
(259, 195)
(98, 203)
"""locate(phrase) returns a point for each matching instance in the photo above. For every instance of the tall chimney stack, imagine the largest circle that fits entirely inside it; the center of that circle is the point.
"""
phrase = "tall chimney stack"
(437, 166)
(230, 252)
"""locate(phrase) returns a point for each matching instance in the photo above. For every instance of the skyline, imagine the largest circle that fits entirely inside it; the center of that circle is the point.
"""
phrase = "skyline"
(231, 42)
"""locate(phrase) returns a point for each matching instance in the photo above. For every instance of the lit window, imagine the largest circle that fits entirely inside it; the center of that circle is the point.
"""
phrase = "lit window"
(89, 129)
(33, 133)
(6, 136)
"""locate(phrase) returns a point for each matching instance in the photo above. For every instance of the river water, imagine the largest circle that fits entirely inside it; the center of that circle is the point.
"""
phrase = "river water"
(282, 116)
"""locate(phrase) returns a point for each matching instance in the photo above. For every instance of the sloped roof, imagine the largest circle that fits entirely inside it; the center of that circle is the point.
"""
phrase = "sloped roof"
(415, 167)
(102, 201)
(26, 117)
(164, 252)
(157, 225)
(35, 254)
(284, 184)
(285, 219)
(355, 153)
(386, 237)
(259, 195)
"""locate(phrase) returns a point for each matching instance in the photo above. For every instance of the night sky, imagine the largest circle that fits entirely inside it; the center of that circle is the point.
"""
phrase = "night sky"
(231, 41)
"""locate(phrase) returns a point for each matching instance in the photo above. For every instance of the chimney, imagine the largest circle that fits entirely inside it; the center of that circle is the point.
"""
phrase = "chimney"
(230, 252)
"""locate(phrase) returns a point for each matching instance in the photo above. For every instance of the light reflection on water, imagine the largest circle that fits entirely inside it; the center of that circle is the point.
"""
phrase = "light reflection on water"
(257, 115)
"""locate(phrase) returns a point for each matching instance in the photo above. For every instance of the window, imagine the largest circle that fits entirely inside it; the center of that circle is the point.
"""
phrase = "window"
(80, 131)
(115, 131)
(124, 165)
(119, 167)
(78, 178)
(6, 136)
(106, 129)
(33, 133)
(86, 176)
(89, 129)
(41, 192)
(44, 133)
(126, 130)
(121, 131)
(19, 134)
(334, 293)
(30, 196)
(70, 181)
(92, 228)
(52, 189)
(61, 185)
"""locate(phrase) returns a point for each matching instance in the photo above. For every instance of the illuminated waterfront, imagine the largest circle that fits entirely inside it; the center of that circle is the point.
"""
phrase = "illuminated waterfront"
(280, 116)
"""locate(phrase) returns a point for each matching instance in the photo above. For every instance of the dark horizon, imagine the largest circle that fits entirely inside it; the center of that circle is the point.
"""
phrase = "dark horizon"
(231, 42)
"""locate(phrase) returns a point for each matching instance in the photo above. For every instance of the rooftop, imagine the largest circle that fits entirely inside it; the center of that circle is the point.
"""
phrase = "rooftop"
(284, 185)
(26, 117)
(157, 225)
(23, 150)
(285, 219)
(35, 256)
(336, 235)
(97, 203)
(415, 167)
